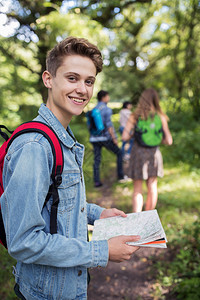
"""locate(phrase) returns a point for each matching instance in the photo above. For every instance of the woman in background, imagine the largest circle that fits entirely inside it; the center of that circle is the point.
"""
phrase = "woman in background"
(146, 162)
(124, 115)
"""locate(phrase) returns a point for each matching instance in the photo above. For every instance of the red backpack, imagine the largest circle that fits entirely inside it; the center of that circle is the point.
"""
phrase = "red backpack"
(58, 164)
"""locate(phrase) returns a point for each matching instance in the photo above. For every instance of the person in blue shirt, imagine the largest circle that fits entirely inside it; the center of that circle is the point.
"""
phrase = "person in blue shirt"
(107, 138)
(54, 266)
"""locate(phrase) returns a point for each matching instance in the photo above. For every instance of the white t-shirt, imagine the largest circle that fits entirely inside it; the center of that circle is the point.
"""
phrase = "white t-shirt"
(124, 116)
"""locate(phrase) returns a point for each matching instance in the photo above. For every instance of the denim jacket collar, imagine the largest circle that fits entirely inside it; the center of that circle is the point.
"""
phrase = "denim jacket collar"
(66, 136)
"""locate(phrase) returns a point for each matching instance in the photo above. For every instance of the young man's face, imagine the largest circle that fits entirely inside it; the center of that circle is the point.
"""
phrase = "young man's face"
(72, 87)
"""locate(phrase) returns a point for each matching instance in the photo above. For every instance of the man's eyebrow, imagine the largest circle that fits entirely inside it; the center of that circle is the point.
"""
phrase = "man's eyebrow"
(72, 73)
(78, 75)
(92, 77)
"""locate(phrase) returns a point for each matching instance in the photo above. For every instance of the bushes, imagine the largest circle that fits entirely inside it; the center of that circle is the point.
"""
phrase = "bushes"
(186, 147)
(182, 271)
(186, 137)
(187, 264)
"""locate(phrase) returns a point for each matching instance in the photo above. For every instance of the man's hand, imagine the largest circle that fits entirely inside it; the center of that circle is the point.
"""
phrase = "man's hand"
(115, 141)
(119, 251)
(112, 212)
(113, 135)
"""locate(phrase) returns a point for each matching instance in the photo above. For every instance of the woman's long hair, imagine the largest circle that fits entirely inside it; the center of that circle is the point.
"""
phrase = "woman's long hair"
(148, 104)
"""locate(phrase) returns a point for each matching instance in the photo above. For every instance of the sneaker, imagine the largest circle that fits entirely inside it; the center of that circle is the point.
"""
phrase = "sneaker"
(98, 184)
(124, 179)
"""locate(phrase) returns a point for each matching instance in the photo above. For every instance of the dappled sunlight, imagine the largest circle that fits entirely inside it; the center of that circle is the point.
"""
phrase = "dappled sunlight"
(176, 179)
(124, 191)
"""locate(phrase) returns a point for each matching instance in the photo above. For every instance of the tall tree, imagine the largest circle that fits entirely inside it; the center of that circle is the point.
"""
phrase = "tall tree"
(27, 13)
(40, 24)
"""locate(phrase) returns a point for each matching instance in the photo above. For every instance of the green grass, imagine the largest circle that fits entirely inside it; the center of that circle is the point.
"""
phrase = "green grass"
(6, 277)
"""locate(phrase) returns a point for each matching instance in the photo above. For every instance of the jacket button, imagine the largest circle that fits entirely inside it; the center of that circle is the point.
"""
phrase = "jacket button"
(79, 273)
(82, 209)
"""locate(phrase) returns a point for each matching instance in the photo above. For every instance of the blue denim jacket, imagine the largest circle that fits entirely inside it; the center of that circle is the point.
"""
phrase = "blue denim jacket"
(49, 266)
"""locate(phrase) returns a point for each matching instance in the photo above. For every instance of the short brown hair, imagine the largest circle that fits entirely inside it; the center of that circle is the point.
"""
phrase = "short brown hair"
(70, 46)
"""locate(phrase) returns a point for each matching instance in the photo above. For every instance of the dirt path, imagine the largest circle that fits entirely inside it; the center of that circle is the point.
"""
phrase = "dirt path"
(130, 280)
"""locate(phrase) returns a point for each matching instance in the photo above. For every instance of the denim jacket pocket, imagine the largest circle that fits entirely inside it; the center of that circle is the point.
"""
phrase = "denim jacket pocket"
(68, 191)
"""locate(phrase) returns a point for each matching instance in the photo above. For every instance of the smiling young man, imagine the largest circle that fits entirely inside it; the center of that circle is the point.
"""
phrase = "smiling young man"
(54, 266)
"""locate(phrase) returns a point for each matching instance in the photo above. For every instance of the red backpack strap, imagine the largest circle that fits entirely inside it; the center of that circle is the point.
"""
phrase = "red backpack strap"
(51, 136)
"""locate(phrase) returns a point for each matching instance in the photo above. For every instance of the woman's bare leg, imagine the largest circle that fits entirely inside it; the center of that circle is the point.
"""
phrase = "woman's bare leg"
(152, 193)
(137, 196)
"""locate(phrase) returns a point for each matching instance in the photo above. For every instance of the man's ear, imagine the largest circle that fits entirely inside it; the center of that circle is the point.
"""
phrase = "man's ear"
(46, 77)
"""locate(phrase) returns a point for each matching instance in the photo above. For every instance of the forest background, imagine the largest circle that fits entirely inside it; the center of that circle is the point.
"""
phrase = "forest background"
(145, 43)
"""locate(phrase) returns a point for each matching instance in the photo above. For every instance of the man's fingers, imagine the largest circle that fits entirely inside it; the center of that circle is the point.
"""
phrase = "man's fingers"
(131, 238)
(121, 213)
(119, 250)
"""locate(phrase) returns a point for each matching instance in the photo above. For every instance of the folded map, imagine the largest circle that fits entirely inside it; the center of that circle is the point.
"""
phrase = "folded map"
(147, 224)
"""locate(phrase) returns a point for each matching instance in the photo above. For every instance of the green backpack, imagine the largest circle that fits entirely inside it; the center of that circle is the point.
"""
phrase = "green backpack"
(149, 133)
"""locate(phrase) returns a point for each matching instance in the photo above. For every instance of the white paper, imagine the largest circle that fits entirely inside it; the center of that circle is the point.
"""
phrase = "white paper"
(146, 224)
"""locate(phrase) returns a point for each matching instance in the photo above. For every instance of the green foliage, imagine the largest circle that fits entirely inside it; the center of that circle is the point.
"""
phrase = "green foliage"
(187, 147)
(186, 136)
(183, 271)
(6, 277)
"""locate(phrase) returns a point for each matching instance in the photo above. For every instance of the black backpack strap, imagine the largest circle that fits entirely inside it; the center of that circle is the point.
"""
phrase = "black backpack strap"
(53, 191)
(3, 134)
(58, 164)
(3, 236)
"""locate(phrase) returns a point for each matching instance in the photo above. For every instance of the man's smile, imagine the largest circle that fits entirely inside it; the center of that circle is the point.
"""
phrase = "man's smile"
(77, 100)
